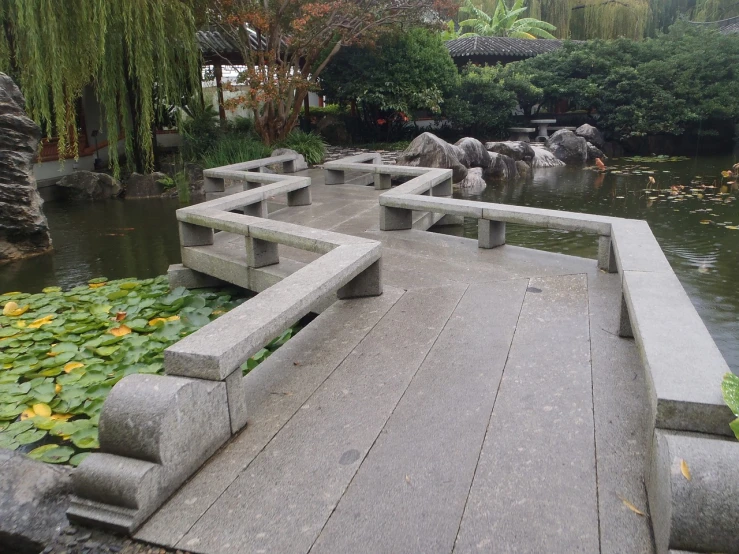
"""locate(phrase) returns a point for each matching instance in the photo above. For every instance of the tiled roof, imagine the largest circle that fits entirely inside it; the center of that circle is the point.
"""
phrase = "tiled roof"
(215, 42)
(724, 26)
(501, 47)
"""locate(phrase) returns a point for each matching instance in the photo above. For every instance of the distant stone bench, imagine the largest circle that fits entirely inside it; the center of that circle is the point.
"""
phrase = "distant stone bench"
(521, 133)
(560, 127)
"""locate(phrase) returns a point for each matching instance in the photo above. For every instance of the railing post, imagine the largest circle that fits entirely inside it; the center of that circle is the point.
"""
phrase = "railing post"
(490, 233)
(261, 253)
(288, 166)
(367, 283)
(258, 209)
(443, 189)
(624, 321)
(300, 197)
(213, 184)
(383, 181)
(194, 235)
(395, 219)
(333, 176)
(606, 254)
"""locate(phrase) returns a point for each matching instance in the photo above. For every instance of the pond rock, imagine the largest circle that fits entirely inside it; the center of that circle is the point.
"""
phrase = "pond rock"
(473, 183)
(501, 167)
(428, 150)
(591, 134)
(524, 169)
(34, 497)
(145, 186)
(24, 230)
(300, 163)
(516, 149)
(461, 155)
(544, 158)
(568, 147)
(594, 153)
(474, 152)
(87, 185)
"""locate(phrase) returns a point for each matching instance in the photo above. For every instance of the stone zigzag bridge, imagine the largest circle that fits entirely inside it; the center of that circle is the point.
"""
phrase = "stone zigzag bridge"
(453, 395)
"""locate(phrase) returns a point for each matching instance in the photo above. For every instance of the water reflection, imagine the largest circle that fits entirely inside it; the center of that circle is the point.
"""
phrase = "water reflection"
(704, 255)
(115, 239)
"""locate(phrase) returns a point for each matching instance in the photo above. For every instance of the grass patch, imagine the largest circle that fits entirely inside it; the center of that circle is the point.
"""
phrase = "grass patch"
(232, 149)
(310, 145)
(62, 352)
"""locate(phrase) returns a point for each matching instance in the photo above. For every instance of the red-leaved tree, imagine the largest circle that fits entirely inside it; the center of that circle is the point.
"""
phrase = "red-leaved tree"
(286, 44)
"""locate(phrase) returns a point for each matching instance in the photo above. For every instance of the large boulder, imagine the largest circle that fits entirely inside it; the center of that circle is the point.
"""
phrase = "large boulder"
(461, 155)
(87, 185)
(300, 163)
(591, 134)
(474, 151)
(516, 149)
(428, 150)
(473, 183)
(524, 169)
(568, 147)
(24, 230)
(149, 185)
(501, 167)
(544, 158)
(594, 153)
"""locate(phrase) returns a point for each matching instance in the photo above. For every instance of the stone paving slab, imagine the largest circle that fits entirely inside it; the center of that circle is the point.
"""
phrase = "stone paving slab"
(282, 500)
(409, 494)
(275, 391)
(535, 485)
(621, 409)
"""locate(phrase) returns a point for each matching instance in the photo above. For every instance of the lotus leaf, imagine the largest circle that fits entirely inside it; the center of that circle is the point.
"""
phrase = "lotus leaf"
(52, 454)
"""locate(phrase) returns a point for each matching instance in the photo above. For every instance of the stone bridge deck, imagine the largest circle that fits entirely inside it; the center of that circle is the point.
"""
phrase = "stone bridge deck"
(483, 403)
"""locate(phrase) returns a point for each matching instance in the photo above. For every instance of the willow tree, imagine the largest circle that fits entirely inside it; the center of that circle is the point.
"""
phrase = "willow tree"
(139, 56)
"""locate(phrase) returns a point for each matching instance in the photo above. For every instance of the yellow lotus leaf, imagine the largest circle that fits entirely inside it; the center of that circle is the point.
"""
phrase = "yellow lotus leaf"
(119, 331)
(61, 417)
(69, 366)
(732, 227)
(726, 173)
(41, 321)
(57, 388)
(20, 324)
(156, 321)
(8, 366)
(14, 293)
(96, 285)
(42, 410)
(13, 310)
(173, 318)
(221, 312)
(27, 413)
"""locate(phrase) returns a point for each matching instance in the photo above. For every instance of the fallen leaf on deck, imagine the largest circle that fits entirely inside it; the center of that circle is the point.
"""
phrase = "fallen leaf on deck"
(630, 506)
(684, 469)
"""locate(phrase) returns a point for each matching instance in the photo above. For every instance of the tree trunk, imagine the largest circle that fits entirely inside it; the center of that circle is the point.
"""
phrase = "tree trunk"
(217, 70)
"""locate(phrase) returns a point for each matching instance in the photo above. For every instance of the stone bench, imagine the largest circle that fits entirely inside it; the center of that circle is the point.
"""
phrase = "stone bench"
(157, 430)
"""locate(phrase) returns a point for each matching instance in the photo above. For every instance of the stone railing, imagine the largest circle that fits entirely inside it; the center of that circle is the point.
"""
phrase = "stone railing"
(157, 430)
(683, 366)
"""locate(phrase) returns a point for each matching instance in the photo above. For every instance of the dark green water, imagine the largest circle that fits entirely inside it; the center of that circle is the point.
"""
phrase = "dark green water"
(705, 256)
(114, 239)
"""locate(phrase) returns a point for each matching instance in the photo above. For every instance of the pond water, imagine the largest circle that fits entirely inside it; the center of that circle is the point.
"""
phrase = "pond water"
(138, 238)
(114, 239)
(693, 225)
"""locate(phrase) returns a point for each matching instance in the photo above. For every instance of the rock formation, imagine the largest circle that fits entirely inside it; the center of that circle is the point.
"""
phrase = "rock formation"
(428, 150)
(24, 230)
(474, 152)
(518, 150)
(568, 147)
(87, 185)
(591, 134)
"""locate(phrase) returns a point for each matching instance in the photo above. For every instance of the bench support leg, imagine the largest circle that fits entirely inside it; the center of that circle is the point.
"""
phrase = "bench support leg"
(395, 219)
(382, 181)
(443, 189)
(195, 235)
(258, 209)
(261, 253)
(490, 234)
(624, 322)
(300, 197)
(367, 283)
(606, 255)
(213, 184)
(333, 177)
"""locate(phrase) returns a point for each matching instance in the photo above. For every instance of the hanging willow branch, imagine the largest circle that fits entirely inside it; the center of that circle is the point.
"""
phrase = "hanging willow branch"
(127, 49)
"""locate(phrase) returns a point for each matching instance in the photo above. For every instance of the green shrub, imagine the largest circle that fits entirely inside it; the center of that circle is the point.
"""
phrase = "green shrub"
(232, 149)
(328, 109)
(200, 131)
(310, 145)
(243, 126)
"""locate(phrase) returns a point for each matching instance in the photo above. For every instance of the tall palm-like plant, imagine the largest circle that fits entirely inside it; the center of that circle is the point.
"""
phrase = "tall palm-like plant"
(505, 22)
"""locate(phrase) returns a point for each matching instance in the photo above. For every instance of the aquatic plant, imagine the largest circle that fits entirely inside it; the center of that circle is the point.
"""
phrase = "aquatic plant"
(62, 352)
(730, 389)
